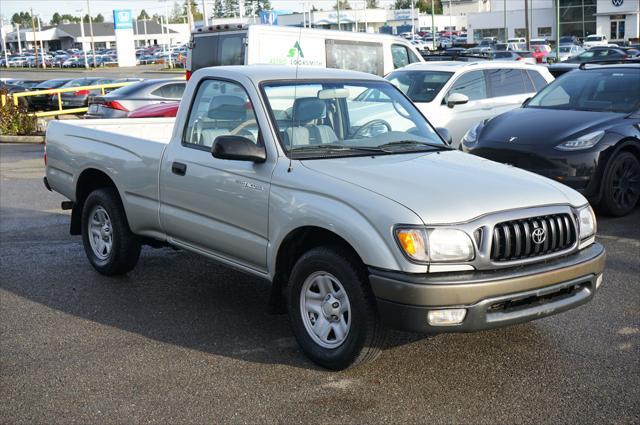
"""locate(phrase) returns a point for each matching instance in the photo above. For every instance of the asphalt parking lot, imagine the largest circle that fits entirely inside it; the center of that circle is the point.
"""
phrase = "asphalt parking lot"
(184, 340)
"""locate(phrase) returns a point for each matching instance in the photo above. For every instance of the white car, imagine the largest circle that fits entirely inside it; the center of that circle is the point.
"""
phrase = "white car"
(458, 95)
(595, 40)
(566, 51)
(420, 45)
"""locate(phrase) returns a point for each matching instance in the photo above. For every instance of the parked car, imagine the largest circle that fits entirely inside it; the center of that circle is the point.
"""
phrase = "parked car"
(43, 103)
(594, 54)
(80, 98)
(569, 40)
(358, 211)
(567, 51)
(590, 139)
(155, 110)
(120, 102)
(73, 62)
(540, 52)
(511, 56)
(538, 42)
(594, 40)
(457, 95)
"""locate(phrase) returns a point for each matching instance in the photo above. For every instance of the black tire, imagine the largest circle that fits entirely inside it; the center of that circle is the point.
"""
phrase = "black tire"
(366, 334)
(125, 246)
(621, 185)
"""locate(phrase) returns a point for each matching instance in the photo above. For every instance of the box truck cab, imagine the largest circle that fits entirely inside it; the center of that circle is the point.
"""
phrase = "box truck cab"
(376, 54)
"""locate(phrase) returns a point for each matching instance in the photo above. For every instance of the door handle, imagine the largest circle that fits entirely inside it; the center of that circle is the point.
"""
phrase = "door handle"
(179, 168)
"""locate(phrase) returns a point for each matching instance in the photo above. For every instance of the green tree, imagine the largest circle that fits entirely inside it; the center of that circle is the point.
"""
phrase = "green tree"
(143, 15)
(98, 18)
(402, 4)
(218, 9)
(55, 19)
(230, 8)
(372, 4)
(195, 13)
(23, 19)
(344, 5)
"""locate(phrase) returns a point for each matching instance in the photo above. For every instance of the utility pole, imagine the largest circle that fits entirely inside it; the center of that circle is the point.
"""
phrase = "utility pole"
(338, 12)
(506, 32)
(168, 38)
(189, 15)
(44, 65)
(526, 24)
(433, 25)
(35, 41)
(4, 43)
(558, 30)
(18, 33)
(93, 47)
(204, 13)
(413, 18)
(84, 51)
(146, 39)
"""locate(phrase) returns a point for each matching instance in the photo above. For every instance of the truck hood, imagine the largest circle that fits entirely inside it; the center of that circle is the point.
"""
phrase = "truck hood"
(447, 187)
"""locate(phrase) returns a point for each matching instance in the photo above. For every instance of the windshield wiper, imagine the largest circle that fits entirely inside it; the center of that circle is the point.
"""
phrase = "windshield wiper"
(415, 143)
(334, 147)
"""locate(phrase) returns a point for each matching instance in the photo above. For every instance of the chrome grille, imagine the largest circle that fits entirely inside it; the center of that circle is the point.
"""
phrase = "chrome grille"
(515, 239)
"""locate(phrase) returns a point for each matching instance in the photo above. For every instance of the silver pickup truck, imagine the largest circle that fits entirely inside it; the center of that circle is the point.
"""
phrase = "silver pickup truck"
(357, 211)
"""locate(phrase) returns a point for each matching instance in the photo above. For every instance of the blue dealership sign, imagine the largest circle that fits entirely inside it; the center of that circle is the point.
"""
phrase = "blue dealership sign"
(122, 19)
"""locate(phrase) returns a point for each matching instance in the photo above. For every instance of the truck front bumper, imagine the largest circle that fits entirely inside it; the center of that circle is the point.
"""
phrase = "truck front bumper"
(491, 299)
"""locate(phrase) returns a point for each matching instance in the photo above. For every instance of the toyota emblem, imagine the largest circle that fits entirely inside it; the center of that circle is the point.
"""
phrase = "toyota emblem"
(538, 236)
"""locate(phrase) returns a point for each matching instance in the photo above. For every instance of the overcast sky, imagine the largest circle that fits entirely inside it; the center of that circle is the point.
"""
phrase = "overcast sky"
(46, 8)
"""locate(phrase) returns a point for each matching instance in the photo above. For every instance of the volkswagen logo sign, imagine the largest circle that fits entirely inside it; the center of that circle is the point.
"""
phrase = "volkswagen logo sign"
(512, 139)
(538, 236)
(617, 3)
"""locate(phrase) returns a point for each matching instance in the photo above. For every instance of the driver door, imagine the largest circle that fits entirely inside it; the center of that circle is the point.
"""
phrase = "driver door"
(217, 206)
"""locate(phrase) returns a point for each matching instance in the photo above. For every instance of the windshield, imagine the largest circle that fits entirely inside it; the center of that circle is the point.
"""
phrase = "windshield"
(322, 119)
(607, 90)
(419, 86)
(593, 38)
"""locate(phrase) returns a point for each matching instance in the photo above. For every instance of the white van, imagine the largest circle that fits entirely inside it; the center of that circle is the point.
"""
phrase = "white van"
(276, 45)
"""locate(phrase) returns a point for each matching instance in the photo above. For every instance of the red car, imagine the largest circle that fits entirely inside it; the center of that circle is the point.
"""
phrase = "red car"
(155, 110)
(540, 53)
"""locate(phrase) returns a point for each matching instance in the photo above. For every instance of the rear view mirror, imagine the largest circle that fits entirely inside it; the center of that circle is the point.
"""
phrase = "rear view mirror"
(237, 148)
(444, 133)
(333, 94)
(457, 99)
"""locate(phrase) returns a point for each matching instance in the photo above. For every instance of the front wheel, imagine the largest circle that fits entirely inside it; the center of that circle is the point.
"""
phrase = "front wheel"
(109, 244)
(332, 309)
(621, 189)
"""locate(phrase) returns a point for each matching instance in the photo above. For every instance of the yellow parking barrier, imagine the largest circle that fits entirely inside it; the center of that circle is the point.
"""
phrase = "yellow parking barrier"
(60, 111)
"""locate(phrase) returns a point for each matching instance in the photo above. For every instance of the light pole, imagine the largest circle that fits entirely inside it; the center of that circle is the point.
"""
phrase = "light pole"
(93, 47)
(84, 51)
(44, 65)
(506, 35)
(433, 25)
(18, 33)
(4, 43)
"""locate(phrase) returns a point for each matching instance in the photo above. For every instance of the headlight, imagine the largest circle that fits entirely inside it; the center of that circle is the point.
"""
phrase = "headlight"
(438, 245)
(450, 245)
(583, 142)
(471, 136)
(587, 222)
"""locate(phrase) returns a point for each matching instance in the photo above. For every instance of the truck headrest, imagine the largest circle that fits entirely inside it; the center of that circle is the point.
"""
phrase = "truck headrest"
(306, 109)
(225, 107)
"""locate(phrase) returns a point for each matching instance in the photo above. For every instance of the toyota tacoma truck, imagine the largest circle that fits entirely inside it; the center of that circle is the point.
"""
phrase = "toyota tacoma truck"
(357, 211)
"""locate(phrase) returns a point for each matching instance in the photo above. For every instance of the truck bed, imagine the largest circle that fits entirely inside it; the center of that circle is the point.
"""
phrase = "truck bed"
(127, 150)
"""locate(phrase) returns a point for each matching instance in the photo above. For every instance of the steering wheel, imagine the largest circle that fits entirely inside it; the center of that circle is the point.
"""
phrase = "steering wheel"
(366, 126)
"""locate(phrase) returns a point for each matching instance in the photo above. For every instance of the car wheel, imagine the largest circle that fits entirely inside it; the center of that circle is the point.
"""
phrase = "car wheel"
(621, 189)
(109, 244)
(332, 310)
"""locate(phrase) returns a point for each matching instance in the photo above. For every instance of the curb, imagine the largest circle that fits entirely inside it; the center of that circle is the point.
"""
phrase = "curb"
(21, 139)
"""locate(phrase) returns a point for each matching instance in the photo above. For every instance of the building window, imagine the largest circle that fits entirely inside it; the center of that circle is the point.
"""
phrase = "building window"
(577, 17)
(520, 32)
(544, 31)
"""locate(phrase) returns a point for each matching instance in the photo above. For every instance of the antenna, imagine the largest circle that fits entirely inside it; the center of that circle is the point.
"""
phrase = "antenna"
(295, 96)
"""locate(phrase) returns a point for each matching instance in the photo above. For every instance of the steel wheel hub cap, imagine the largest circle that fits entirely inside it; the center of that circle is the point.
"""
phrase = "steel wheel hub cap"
(100, 236)
(325, 309)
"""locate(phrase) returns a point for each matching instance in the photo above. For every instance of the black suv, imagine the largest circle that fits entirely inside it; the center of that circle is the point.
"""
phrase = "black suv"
(582, 130)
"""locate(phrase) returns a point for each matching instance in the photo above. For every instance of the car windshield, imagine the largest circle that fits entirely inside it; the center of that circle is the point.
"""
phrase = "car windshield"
(419, 86)
(324, 119)
(593, 38)
(605, 90)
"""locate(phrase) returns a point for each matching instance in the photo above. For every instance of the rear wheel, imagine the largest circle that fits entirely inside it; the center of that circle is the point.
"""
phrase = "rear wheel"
(332, 309)
(621, 189)
(109, 244)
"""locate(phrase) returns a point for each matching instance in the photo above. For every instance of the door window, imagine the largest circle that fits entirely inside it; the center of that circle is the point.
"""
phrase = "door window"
(507, 82)
(538, 80)
(220, 108)
(170, 91)
(231, 50)
(471, 84)
(355, 56)
(402, 56)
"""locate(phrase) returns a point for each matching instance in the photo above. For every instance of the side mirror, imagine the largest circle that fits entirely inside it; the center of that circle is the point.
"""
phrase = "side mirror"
(237, 148)
(457, 99)
(444, 133)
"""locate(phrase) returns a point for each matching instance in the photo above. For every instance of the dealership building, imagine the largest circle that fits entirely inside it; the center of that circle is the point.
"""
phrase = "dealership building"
(618, 20)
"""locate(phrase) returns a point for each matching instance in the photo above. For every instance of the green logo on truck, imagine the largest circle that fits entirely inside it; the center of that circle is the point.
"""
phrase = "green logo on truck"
(296, 48)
